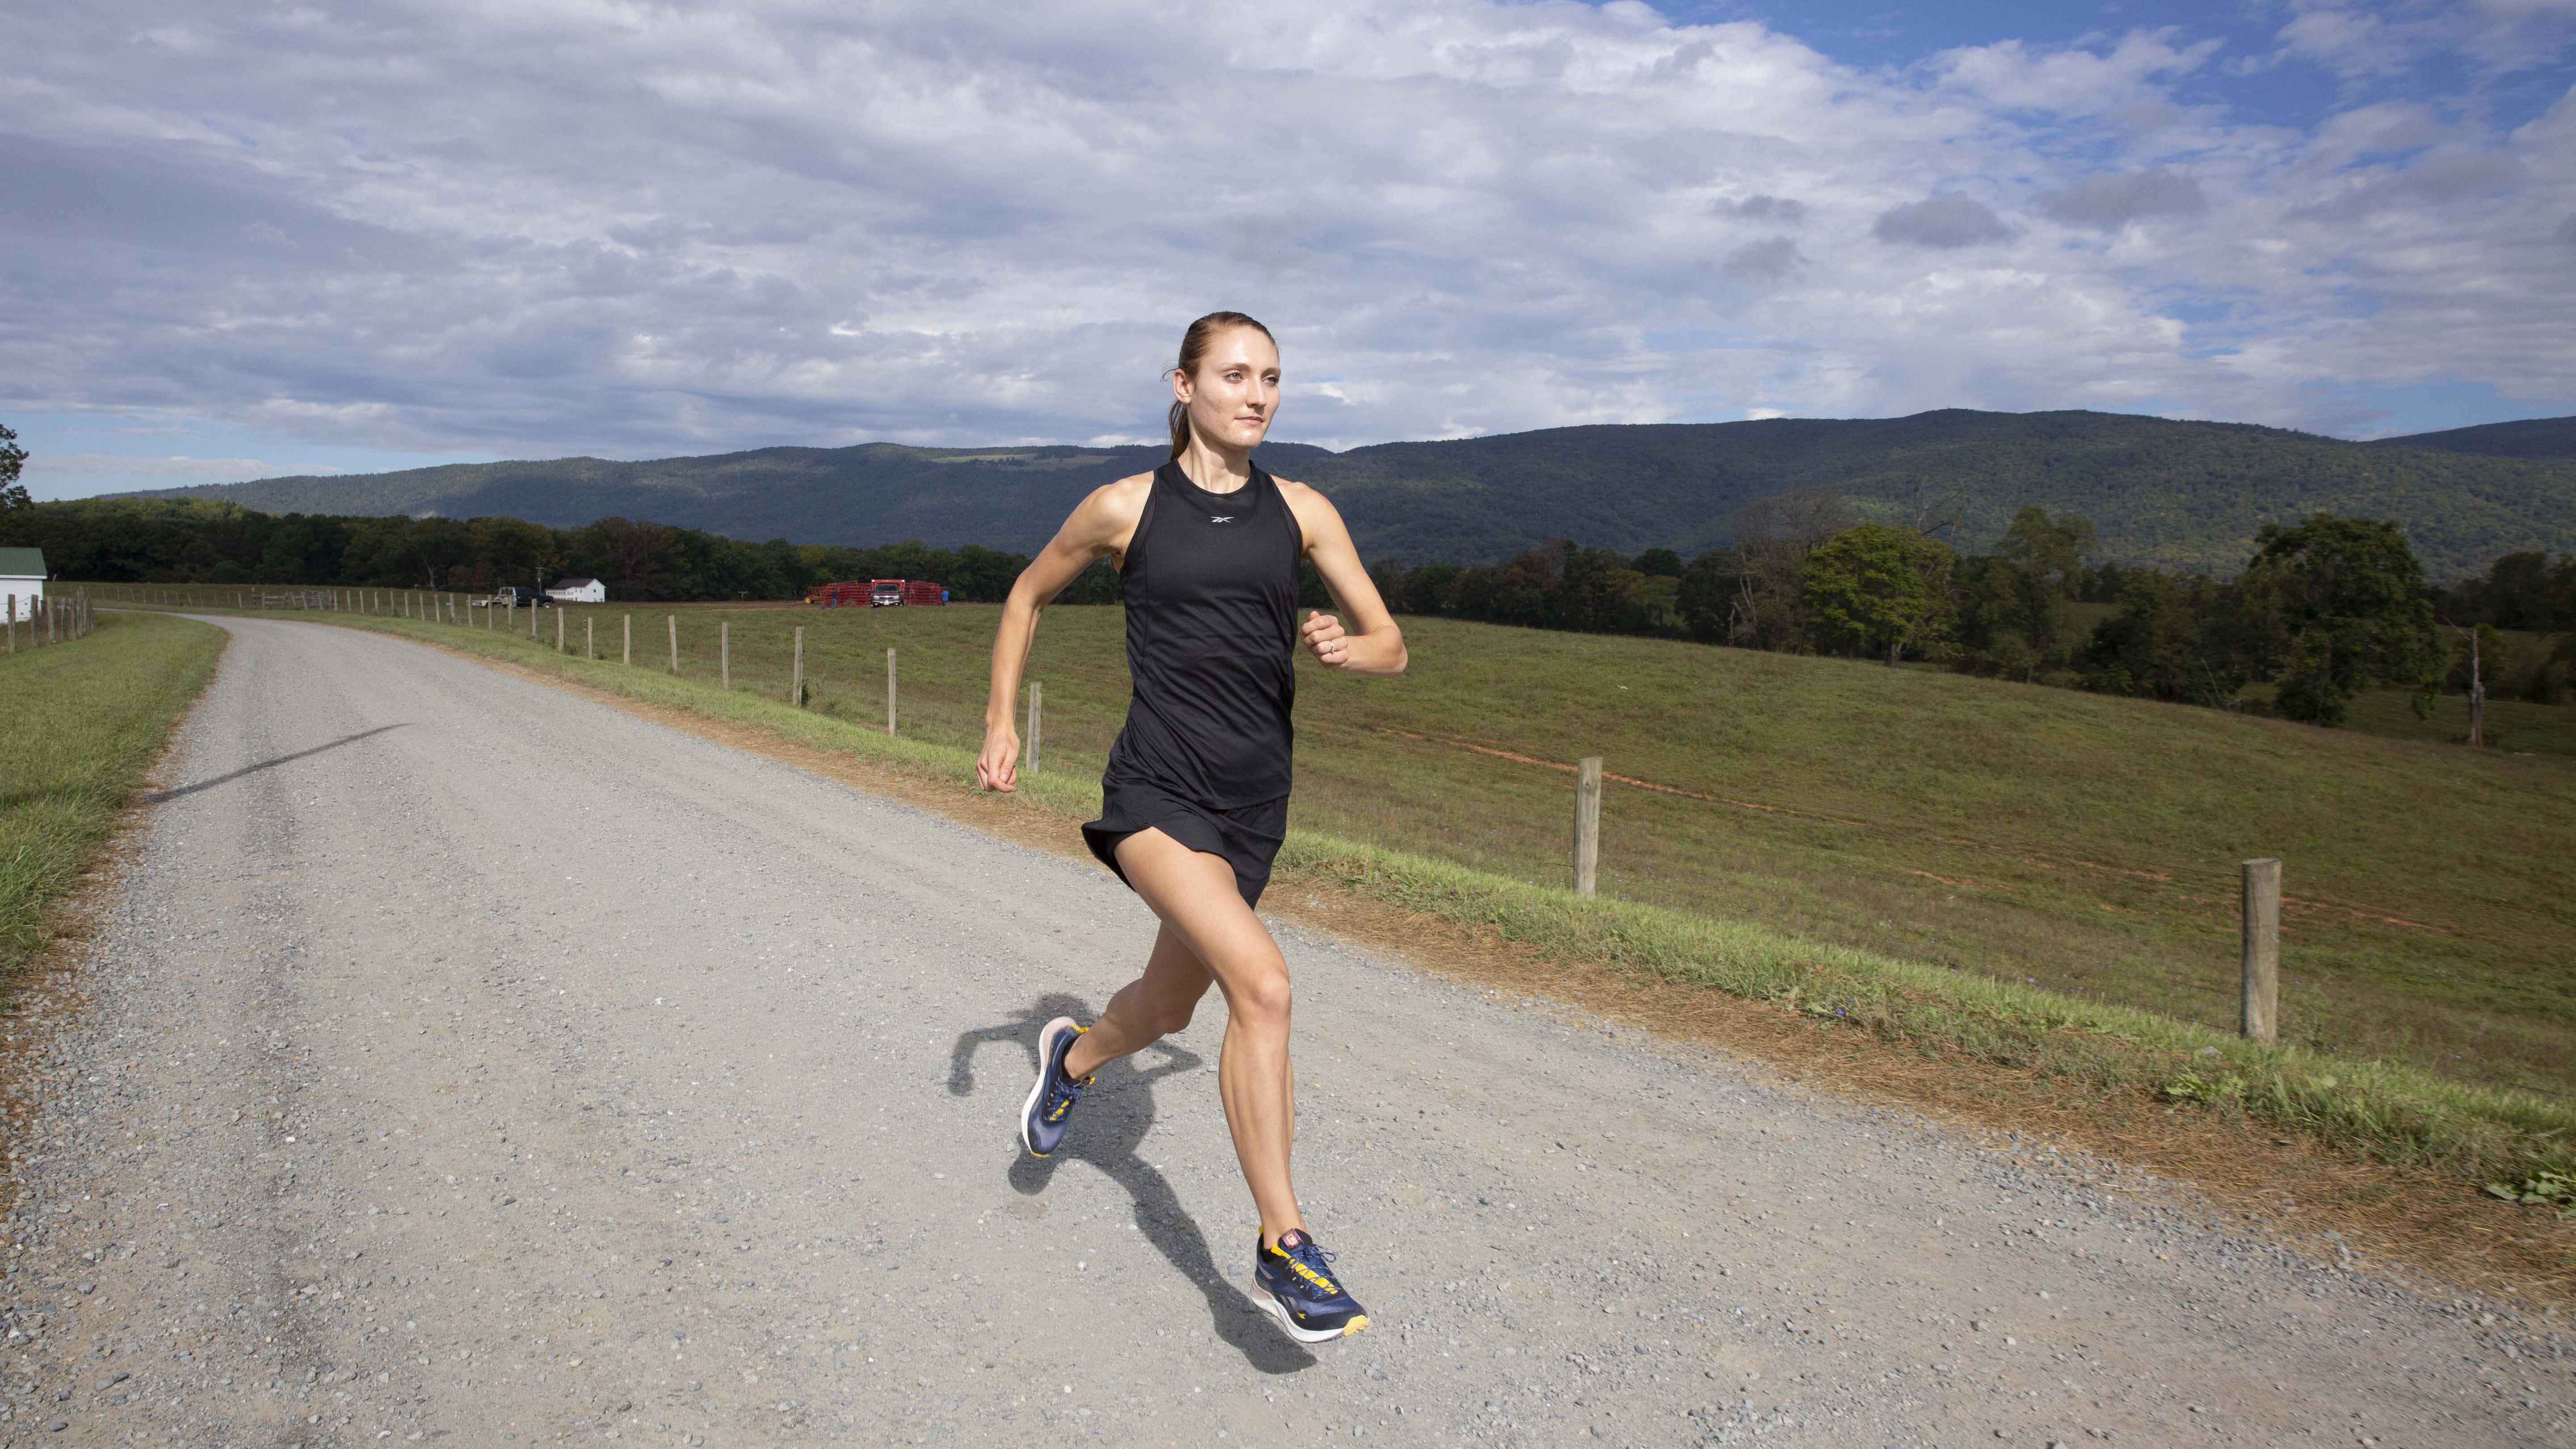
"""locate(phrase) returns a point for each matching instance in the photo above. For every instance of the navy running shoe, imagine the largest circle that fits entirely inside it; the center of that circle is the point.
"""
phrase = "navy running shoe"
(1051, 1100)
(1294, 1283)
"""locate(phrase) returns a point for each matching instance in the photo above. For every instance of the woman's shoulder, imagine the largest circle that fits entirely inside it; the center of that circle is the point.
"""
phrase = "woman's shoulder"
(1302, 498)
(1108, 514)
(1124, 498)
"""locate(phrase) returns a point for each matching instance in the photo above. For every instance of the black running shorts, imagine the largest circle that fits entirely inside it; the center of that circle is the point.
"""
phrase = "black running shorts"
(1248, 837)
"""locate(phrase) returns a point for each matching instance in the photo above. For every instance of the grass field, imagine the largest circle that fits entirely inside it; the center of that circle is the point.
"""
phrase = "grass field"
(1832, 793)
(79, 725)
(2039, 836)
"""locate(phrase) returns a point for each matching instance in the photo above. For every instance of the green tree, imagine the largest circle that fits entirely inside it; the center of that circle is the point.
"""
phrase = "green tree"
(13, 494)
(1879, 590)
(2045, 559)
(1752, 593)
(2330, 605)
(2171, 640)
(1706, 594)
(1658, 563)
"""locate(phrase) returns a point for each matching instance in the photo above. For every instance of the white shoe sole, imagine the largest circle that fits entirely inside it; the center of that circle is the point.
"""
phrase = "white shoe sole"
(1046, 1063)
(1262, 1299)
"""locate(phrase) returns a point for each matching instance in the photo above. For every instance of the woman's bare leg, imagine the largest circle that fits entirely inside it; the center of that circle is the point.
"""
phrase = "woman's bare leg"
(1146, 1009)
(1194, 894)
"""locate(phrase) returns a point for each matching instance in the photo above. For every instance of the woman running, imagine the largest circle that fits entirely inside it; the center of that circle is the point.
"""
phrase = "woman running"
(1195, 800)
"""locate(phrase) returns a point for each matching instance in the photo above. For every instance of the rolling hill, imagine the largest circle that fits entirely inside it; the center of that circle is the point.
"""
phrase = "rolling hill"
(2529, 438)
(2177, 494)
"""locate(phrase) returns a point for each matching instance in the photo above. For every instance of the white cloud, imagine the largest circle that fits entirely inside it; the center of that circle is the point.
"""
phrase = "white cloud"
(555, 226)
(2109, 201)
(50, 474)
(1947, 222)
(75, 468)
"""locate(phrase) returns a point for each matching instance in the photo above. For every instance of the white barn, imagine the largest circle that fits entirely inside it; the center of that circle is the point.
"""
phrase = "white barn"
(578, 591)
(22, 577)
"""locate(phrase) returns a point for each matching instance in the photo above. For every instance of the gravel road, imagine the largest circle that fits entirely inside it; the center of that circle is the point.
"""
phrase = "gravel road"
(462, 1059)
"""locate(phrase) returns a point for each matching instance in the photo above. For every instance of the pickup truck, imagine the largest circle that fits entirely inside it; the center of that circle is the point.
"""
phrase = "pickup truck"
(513, 598)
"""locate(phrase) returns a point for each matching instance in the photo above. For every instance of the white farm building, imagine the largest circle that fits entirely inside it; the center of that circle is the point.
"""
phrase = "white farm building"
(22, 578)
(578, 591)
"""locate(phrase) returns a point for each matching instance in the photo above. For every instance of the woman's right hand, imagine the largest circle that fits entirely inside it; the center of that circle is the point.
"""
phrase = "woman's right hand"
(998, 768)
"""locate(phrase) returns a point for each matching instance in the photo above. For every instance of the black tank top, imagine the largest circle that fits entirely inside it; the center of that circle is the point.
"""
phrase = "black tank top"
(1211, 585)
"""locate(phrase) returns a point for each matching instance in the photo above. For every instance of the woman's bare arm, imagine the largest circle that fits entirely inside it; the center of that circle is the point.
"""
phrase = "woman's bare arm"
(1377, 647)
(1100, 525)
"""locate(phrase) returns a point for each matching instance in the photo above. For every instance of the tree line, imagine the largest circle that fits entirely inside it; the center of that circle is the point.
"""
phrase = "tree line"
(212, 542)
(2321, 609)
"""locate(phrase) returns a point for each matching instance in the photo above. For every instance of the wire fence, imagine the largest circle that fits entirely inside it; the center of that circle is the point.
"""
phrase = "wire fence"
(2249, 890)
(47, 619)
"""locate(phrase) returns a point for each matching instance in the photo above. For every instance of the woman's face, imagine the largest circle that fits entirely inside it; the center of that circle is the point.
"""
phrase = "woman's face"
(1236, 390)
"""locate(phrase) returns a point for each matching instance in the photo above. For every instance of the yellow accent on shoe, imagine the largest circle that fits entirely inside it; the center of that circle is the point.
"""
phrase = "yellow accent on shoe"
(1358, 1322)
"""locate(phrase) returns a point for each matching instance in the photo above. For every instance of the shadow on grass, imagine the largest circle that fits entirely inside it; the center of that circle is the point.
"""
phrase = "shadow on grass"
(1115, 1116)
(157, 796)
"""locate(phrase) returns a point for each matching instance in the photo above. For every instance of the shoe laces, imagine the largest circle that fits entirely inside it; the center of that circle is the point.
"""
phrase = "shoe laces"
(1063, 1092)
(1315, 1263)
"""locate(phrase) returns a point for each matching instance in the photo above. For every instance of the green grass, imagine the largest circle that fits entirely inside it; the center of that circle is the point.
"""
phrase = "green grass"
(79, 725)
(2021, 875)
(2038, 836)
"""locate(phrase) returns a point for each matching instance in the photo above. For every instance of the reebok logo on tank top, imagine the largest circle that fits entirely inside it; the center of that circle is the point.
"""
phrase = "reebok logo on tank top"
(1220, 518)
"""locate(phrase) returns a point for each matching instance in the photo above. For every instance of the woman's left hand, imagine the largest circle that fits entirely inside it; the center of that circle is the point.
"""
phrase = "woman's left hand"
(1324, 635)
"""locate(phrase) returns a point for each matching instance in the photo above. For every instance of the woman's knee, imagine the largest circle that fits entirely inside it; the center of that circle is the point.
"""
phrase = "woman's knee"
(1173, 1015)
(1261, 996)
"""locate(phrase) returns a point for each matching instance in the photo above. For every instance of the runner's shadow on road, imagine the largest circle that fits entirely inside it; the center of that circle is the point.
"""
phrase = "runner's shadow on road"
(1115, 1117)
(157, 796)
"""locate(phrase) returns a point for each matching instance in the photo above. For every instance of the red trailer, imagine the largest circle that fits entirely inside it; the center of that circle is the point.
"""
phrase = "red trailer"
(848, 594)
(876, 593)
(893, 593)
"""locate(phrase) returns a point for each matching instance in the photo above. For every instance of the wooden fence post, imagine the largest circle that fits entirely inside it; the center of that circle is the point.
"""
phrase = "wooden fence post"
(796, 672)
(889, 692)
(724, 654)
(589, 639)
(2261, 1020)
(559, 628)
(1037, 718)
(1587, 823)
(13, 622)
(673, 620)
(627, 655)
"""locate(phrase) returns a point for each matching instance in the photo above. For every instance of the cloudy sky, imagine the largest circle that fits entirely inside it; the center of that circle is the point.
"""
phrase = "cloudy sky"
(252, 239)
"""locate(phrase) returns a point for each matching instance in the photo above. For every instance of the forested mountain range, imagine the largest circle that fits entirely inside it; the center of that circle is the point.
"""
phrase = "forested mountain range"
(2187, 495)
(2529, 438)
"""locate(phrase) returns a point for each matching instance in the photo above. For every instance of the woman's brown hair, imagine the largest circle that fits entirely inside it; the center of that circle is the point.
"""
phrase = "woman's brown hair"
(1194, 346)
